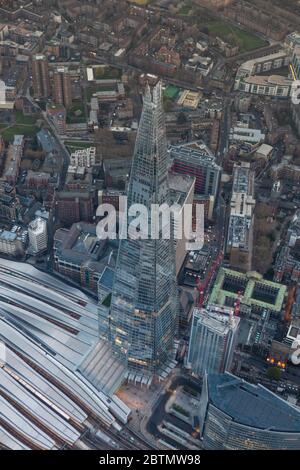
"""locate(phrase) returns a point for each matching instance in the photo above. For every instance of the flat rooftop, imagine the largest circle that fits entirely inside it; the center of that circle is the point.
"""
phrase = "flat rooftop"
(243, 179)
(215, 320)
(252, 405)
(193, 152)
(249, 64)
(256, 291)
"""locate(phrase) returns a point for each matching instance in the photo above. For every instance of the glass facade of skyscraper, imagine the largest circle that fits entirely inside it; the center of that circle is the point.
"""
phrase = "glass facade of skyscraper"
(212, 341)
(143, 316)
(236, 415)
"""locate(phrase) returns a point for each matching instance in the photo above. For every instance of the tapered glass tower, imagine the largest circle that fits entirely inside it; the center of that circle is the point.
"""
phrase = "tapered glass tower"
(144, 307)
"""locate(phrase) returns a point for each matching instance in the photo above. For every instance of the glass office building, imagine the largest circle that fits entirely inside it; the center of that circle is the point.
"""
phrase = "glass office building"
(236, 415)
(195, 159)
(212, 340)
(144, 309)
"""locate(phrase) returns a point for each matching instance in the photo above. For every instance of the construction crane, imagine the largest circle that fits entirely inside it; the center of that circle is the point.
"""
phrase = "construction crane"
(237, 304)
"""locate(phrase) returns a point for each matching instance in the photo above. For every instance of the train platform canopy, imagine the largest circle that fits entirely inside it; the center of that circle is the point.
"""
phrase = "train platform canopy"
(47, 328)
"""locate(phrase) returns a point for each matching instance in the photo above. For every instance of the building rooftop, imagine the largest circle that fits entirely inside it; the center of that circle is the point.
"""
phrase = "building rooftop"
(238, 231)
(243, 179)
(47, 141)
(83, 157)
(194, 152)
(250, 64)
(189, 99)
(39, 57)
(265, 150)
(37, 225)
(246, 135)
(14, 156)
(256, 291)
(180, 187)
(242, 206)
(252, 405)
(50, 327)
(277, 80)
(8, 236)
(215, 319)
(81, 247)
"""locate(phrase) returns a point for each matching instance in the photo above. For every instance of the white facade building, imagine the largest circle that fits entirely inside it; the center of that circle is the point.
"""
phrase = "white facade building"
(274, 85)
(83, 157)
(38, 235)
(212, 340)
(244, 134)
(253, 76)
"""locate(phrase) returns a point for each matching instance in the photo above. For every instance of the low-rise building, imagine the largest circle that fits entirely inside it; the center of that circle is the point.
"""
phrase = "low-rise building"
(189, 99)
(75, 206)
(9, 203)
(245, 134)
(58, 116)
(84, 158)
(81, 256)
(109, 90)
(286, 170)
(13, 160)
(13, 242)
(264, 151)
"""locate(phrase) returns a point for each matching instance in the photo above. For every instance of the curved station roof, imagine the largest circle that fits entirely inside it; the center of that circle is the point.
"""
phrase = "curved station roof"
(47, 329)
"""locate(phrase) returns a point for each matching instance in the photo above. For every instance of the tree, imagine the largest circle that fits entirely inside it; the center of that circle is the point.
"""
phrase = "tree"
(274, 373)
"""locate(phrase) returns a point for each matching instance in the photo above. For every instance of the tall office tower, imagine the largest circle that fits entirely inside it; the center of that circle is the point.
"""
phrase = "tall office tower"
(38, 235)
(62, 88)
(144, 307)
(236, 415)
(40, 76)
(213, 336)
(197, 160)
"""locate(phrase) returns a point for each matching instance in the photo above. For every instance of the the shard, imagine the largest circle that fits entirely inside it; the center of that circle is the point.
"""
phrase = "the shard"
(144, 307)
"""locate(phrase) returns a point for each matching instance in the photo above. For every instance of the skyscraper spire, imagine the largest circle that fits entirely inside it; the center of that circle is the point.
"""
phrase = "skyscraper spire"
(144, 308)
